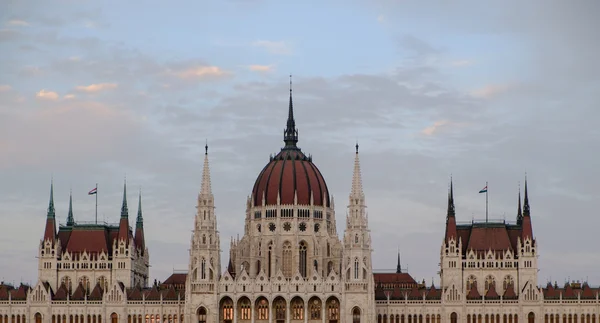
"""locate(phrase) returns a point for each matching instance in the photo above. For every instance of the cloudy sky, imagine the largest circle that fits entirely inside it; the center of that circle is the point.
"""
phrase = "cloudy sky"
(93, 91)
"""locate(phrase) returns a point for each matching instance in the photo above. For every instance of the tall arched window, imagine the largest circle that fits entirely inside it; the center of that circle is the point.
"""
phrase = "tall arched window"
(356, 315)
(453, 317)
(269, 255)
(114, 318)
(356, 268)
(38, 318)
(203, 269)
(287, 259)
(531, 318)
(302, 257)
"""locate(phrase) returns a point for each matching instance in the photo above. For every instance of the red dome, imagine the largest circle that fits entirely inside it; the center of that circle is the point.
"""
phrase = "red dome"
(287, 173)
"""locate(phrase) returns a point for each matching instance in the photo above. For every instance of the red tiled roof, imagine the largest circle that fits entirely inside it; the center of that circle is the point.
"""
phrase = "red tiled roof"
(486, 238)
(491, 293)
(587, 292)
(90, 240)
(509, 293)
(568, 292)
(134, 293)
(153, 294)
(4, 290)
(434, 293)
(415, 293)
(550, 292)
(169, 294)
(393, 278)
(287, 174)
(50, 230)
(96, 293)
(79, 293)
(473, 293)
(19, 293)
(62, 293)
(175, 279)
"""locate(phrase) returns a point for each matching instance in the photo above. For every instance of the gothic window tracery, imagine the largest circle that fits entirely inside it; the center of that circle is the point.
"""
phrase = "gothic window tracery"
(471, 281)
(302, 258)
(315, 309)
(356, 268)
(297, 309)
(203, 269)
(262, 312)
(280, 309)
(508, 281)
(489, 282)
(287, 259)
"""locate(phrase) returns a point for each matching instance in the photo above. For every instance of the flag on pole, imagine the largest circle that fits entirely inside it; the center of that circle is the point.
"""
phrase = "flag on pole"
(483, 190)
(93, 191)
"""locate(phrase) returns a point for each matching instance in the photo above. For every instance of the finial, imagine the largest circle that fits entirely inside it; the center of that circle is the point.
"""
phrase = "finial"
(290, 83)
(356, 146)
(124, 209)
(70, 218)
(51, 211)
(206, 147)
(290, 134)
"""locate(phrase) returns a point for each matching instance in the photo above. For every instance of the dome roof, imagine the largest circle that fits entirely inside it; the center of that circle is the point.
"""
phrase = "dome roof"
(290, 173)
(287, 174)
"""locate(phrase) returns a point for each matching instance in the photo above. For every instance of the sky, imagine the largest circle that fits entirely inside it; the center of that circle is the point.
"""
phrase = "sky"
(96, 91)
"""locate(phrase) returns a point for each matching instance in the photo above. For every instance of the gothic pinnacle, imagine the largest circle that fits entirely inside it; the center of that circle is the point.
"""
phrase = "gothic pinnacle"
(124, 209)
(357, 190)
(51, 211)
(70, 218)
(290, 135)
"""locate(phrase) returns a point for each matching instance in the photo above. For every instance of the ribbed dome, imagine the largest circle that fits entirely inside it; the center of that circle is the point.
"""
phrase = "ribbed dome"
(290, 172)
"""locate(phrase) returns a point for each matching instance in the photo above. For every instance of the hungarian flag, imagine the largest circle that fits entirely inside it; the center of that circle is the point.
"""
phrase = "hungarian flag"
(93, 191)
(483, 190)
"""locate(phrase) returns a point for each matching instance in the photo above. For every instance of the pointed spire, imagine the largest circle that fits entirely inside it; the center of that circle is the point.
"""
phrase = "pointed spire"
(398, 266)
(51, 211)
(519, 211)
(139, 220)
(290, 135)
(50, 230)
(70, 218)
(140, 242)
(451, 211)
(206, 186)
(357, 190)
(526, 200)
(124, 209)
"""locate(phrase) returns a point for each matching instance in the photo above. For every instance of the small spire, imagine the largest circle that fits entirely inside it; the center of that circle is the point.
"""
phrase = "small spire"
(519, 211)
(290, 135)
(451, 210)
(51, 211)
(124, 210)
(398, 266)
(139, 219)
(205, 189)
(526, 200)
(206, 147)
(70, 218)
(357, 190)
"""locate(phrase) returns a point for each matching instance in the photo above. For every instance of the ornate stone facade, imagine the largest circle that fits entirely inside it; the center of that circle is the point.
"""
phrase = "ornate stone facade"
(290, 266)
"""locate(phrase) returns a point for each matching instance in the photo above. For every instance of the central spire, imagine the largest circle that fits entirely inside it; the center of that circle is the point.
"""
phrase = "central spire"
(451, 210)
(124, 209)
(357, 189)
(290, 135)
(70, 218)
(205, 189)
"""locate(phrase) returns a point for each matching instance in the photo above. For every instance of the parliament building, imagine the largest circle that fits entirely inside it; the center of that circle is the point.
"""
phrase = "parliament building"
(290, 265)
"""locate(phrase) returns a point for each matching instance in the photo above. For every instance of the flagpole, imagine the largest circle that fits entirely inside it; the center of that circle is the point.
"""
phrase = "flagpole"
(486, 201)
(96, 203)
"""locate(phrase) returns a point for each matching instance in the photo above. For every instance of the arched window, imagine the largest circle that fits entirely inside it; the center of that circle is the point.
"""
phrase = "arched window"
(287, 259)
(114, 318)
(38, 318)
(297, 309)
(508, 281)
(489, 282)
(315, 308)
(356, 238)
(531, 318)
(68, 283)
(329, 267)
(227, 309)
(356, 268)
(262, 312)
(203, 239)
(245, 309)
(280, 309)
(203, 269)
(201, 313)
(269, 255)
(328, 250)
(356, 315)
(302, 258)
(470, 282)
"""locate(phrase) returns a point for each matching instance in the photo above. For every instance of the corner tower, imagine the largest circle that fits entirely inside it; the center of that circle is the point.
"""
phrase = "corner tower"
(357, 266)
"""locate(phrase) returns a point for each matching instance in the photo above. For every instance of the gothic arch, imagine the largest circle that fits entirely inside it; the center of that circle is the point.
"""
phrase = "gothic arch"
(302, 258)
(244, 308)
(454, 317)
(297, 308)
(279, 309)
(332, 313)
(356, 315)
(261, 309)
(38, 317)
(315, 306)
(114, 318)
(226, 309)
(201, 314)
(531, 318)
(287, 259)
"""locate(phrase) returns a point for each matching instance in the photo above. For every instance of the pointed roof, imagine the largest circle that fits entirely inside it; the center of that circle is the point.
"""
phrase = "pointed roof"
(491, 292)
(509, 293)
(587, 292)
(230, 268)
(206, 189)
(79, 293)
(124, 221)
(70, 218)
(50, 230)
(62, 292)
(357, 189)
(527, 230)
(290, 135)
(169, 294)
(519, 211)
(450, 215)
(473, 292)
(153, 294)
(140, 242)
(434, 293)
(135, 293)
(398, 267)
(96, 293)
